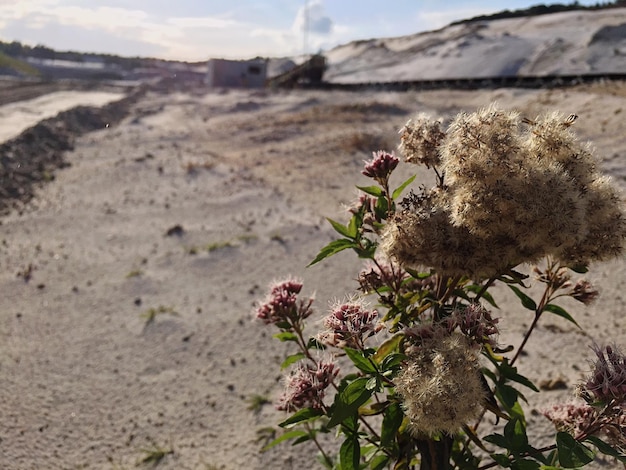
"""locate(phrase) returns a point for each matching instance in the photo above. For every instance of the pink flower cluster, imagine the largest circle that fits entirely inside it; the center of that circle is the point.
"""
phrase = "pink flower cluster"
(607, 383)
(306, 386)
(348, 324)
(572, 417)
(281, 305)
(380, 166)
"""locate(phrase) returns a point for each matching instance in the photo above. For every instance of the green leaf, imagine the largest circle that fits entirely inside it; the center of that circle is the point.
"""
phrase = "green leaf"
(379, 462)
(501, 459)
(302, 439)
(507, 395)
(561, 313)
(392, 419)
(515, 434)
(526, 301)
(400, 188)
(510, 372)
(476, 288)
(606, 449)
(291, 359)
(332, 248)
(350, 453)
(372, 384)
(579, 268)
(572, 453)
(525, 464)
(361, 362)
(392, 361)
(340, 228)
(286, 336)
(417, 274)
(496, 439)
(354, 225)
(296, 433)
(372, 190)
(306, 414)
(348, 400)
(314, 343)
(389, 346)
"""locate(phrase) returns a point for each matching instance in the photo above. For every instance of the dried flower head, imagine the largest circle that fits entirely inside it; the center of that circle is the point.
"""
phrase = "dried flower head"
(605, 225)
(348, 324)
(492, 214)
(281, 305)
(381, 273)
(584, 292)
(607, 383)
(440, 386)
(424, 235)
(380, 166)
(476, 322)
(420, 139)
(306, 385)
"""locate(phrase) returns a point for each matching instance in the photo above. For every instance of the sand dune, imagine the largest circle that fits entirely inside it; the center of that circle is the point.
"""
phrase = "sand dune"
(561, 43)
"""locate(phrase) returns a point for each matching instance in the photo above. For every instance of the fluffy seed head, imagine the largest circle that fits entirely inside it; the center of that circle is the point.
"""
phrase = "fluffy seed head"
(420, 139)
(607, 383)
(440, 386)
(509, 197)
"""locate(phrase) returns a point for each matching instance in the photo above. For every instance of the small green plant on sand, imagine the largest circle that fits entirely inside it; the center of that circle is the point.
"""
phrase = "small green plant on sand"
(153, 455)
(516, 203)
(134, 273)
(256, 402)
(150, 315)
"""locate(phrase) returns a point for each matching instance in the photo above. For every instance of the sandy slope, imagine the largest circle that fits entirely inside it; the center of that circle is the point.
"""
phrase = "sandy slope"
(569, 42)
(87, 382)
(15, 117)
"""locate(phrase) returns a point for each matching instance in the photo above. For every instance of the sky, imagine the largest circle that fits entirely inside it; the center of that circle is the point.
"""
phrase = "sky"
(196, 30)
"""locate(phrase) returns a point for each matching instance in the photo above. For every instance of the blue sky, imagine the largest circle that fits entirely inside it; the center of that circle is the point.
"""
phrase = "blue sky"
(201, 29)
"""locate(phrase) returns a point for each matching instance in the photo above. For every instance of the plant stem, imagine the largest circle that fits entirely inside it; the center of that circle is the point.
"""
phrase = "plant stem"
(327, 459)
(484, 288)
(538, 311)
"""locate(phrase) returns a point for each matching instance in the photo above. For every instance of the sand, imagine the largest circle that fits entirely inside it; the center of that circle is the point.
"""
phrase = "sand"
(247, 177)
(15, 117)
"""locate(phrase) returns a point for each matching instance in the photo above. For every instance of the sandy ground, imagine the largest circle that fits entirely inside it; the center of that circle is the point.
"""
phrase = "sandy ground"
(15, 117)
(89, 382)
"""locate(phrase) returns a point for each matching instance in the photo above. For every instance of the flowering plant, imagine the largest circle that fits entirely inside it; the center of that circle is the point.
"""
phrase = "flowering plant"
(423, 370)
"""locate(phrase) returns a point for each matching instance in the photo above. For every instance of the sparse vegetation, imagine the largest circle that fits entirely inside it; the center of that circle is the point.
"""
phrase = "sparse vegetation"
(256, 402)
(151, 314)
(362, 142)
(134, 273)
(154, 455)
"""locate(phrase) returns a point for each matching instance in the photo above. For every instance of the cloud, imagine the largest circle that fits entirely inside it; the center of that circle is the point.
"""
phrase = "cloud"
(123, 31)
(203, 22)
(313, 17)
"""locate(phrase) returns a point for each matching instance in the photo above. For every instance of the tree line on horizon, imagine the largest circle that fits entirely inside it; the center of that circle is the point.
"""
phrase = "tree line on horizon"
(542, 9)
